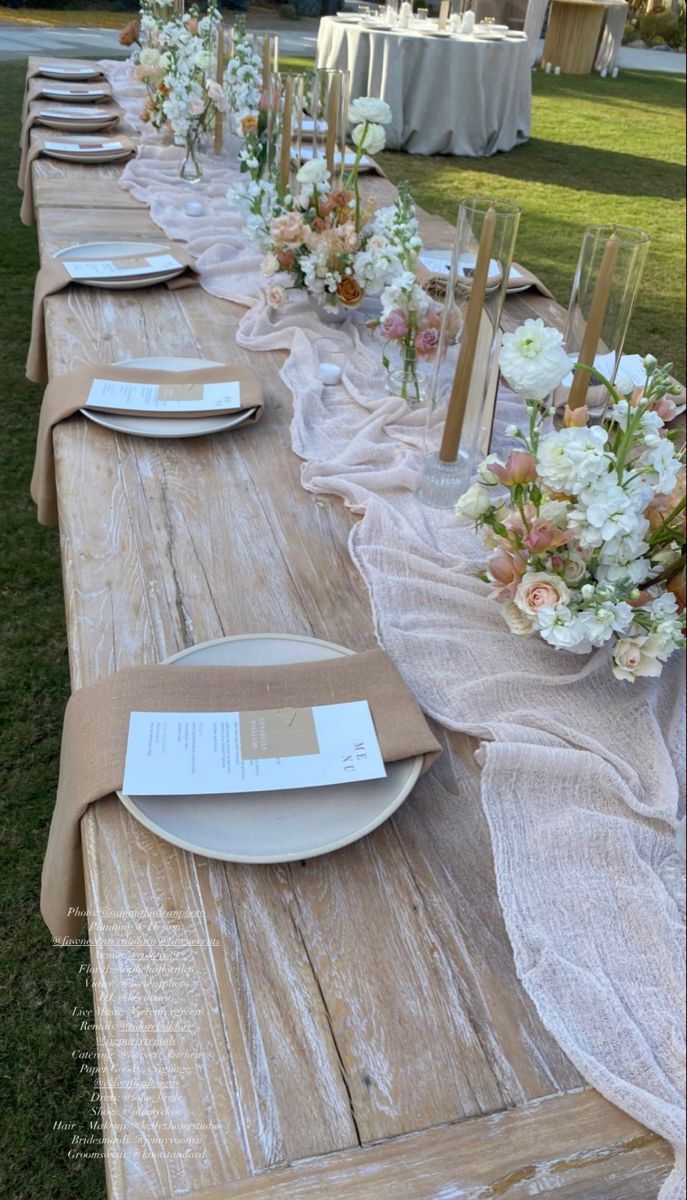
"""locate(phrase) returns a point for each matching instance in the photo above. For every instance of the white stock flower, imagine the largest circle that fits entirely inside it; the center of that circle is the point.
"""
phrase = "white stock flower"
(562, 629)
(474, 503)
(314, 172)
(533, 360)
(600, 623)
(370, 138)
(660, 466)
(369, 108)
(269, 264)
(571, 458)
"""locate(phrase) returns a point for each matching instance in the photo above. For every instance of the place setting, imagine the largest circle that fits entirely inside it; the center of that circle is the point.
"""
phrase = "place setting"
(156, 397)
(82, 150)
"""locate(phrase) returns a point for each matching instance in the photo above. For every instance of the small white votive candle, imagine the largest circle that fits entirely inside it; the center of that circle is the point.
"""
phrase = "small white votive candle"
(614, 73)
(193, 208)
(603, 73)
(330, 373)
(557, 71)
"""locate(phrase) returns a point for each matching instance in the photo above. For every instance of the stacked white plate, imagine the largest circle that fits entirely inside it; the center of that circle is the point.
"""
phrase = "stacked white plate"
(80, 120)
(168, 427)
(72, 73)
(102, 252)
(91, 150)
(73, 95)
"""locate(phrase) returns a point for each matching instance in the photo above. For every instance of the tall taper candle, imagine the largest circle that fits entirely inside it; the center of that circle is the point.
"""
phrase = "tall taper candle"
(595, 321)
(333, 104)
(265, 61)
(219, 118)
(285, 154)
(457, 404)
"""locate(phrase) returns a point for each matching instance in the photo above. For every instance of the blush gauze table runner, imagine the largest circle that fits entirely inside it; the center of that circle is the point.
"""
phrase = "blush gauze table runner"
(97, 721)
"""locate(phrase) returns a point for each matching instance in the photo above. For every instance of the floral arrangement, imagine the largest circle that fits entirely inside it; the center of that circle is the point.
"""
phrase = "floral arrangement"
(243, 79)
(589, 535)
(324, 239)
(176, 64)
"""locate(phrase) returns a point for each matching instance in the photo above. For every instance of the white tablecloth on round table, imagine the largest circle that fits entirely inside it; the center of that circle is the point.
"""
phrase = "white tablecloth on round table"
(448, 95)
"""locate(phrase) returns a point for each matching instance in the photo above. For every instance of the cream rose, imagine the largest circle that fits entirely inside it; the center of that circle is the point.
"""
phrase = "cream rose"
(518, 622)
(275, 295)
(474, 503)
(269, 264)
(538, 590)
(636, 657)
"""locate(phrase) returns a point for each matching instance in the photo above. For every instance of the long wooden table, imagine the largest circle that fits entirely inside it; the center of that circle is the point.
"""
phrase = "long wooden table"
(350, 1026)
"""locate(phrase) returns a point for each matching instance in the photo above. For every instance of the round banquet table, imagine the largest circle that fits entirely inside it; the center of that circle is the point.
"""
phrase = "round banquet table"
(447, 94)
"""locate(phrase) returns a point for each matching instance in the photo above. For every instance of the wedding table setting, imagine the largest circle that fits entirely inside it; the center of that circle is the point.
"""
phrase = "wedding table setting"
(369, 803)
(484, 103)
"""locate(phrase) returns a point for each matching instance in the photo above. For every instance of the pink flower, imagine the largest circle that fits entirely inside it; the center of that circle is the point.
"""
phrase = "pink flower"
(288, 228)
(543, 536)
(394, 326)
(520, 468)
(506, 570)
(538, 590)
(196, 106)
(575, 418)
(427, 343)
(666, 408)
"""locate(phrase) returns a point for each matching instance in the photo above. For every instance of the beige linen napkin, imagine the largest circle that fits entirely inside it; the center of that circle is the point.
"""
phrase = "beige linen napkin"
(52, 278)
(36, 107)
(66, 394)
(97, 722)
(26, 211)
(435, 283)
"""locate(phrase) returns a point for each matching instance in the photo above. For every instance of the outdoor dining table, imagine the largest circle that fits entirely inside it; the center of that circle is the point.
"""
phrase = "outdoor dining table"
(349, 1025)
(448, 94)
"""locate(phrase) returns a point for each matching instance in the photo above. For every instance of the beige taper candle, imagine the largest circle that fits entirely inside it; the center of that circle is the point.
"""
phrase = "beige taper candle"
(333, 102)
(595, 321)
(457, 404)
(219, 119)
(285, 154)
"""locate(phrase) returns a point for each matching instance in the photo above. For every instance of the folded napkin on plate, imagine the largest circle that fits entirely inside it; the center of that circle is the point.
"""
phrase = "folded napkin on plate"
(66, 394)
(434, 281)
(33, 117)
(53, 277)
(96, 728)
(36, 84)
(26, 211)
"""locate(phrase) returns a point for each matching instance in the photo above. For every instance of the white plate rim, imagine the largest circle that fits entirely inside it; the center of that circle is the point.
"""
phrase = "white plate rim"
(264, 860)
(132, 281)
(76, 73)
(173, 427)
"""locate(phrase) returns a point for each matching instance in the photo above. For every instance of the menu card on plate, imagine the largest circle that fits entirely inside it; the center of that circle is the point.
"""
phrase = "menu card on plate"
(93, 146)
(120, 268)
(168, 399)
(210, 753)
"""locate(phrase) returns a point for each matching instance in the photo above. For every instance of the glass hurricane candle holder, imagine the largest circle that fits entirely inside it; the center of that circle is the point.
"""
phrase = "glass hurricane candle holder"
(325, 121)
(461, 410)
(607, 278)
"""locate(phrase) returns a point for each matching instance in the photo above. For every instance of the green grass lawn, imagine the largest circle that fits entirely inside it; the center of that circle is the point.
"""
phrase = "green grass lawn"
(603, 151)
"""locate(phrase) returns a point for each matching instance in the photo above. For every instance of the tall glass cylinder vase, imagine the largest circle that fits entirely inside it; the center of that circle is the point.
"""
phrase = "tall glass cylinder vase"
(607, 278)
(325, 121)
(461, 410)
(289, 126)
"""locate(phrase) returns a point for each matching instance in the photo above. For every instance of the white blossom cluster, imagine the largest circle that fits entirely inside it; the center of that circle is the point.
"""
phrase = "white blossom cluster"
(243, 75)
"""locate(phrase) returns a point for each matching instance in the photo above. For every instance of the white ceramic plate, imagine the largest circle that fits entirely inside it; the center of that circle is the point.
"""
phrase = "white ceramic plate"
(74, 97)
(172, 427)
(71, 73)
(270, 827)
(93, 251)
(491, 28)
(93, 155)
(83, 124)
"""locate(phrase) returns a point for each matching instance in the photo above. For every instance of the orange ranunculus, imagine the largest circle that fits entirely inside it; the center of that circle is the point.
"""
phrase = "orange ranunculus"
(129, 34)
(349, 292)
(249, 125)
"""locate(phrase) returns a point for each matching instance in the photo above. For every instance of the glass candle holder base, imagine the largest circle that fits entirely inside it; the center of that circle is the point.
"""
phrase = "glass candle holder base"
(443, 483)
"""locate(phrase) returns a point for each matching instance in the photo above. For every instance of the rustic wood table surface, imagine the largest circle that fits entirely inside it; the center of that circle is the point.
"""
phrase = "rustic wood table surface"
(350, 1026)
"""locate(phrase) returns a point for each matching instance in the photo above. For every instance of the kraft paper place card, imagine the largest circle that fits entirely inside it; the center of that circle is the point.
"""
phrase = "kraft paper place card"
(169, 399)
(211, 753)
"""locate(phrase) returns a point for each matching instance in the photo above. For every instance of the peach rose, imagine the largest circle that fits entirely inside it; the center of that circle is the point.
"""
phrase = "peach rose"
(543, 535)
(349, 292)
(129, 34)
(506, 570)
(288, 229)
(520, 468)
(537, 589)
(249, 124)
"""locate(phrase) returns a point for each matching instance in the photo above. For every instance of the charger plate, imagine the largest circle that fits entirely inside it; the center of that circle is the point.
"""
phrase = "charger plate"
(102, 251)
(170, 427)
(272, 827)
(89, 153)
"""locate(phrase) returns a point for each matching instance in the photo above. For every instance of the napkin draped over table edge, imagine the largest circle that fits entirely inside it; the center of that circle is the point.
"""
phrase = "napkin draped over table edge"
(32, 118)
(96, 725)
(26, 213)
(36, 85)
(67, 394)
(53, 277)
